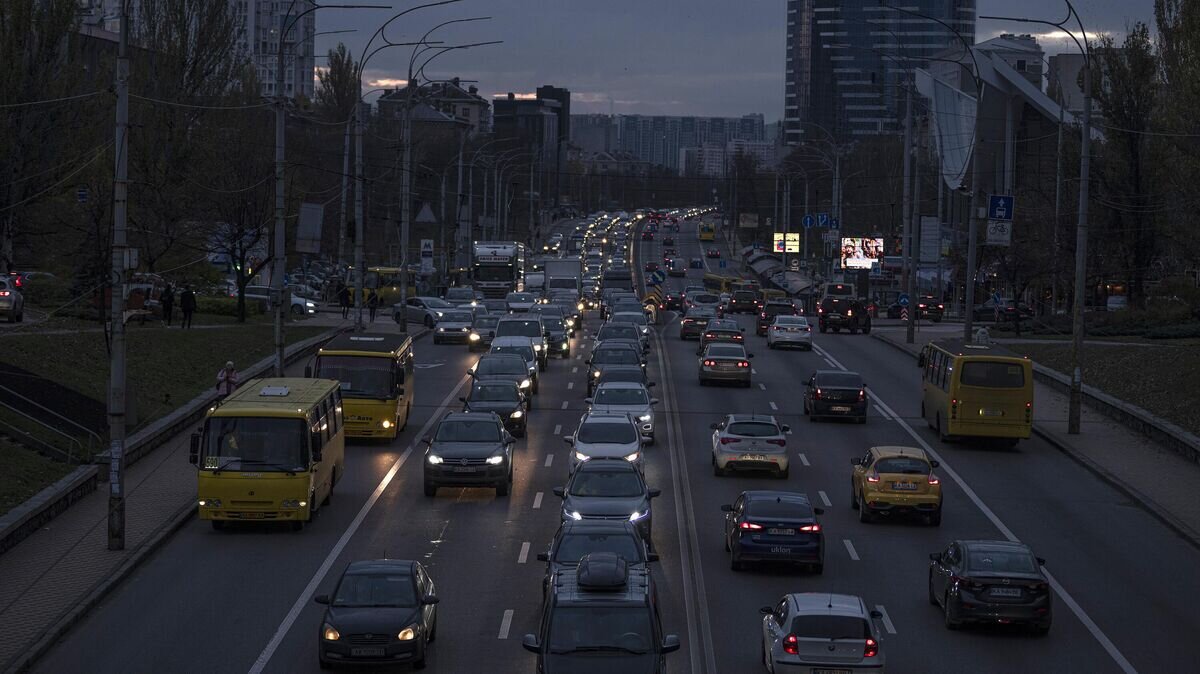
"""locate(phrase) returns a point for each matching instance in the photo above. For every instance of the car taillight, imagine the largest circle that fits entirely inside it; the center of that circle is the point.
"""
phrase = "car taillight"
(849, 312)
(709, 335)
(873, 477)
(933, 479)
(807, 329)
(738, 338)
(743, 363)
(817, 394)
(791, 645)
(1037, 587)
(779, 441)
(763, 315)
(4, 293)
(1028, 411)
(862, 395)
(954, 408)
(774, 327)
(750, 526)
(730, 441)
(871, 648)
(813, 528)
(941, 306)
(709, 363)
(820, 310)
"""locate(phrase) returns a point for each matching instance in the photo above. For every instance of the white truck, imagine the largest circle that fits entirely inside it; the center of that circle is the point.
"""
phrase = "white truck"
(565, 274)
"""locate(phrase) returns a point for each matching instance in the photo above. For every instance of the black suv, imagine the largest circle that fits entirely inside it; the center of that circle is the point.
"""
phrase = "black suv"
(844, 312)
(578, 538)
(743, 302)
(603, 614)
(770, 310)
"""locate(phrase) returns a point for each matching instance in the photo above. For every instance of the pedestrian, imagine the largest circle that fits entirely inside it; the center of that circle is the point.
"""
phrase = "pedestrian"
(227, 380)
(187, 304)
(167, 299)
(373, 303)
(343, 295)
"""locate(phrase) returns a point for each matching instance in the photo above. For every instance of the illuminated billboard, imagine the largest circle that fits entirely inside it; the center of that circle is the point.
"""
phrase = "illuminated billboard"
(793, 242)
(861, 253)
(777, 242)
(785, 242)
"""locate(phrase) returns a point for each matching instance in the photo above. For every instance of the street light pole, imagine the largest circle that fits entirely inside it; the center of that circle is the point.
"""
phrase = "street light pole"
(1081, 240)
(120, 268)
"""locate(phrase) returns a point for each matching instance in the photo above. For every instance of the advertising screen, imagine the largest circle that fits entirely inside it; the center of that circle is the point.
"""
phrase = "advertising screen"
(778, 242)
(861, 253)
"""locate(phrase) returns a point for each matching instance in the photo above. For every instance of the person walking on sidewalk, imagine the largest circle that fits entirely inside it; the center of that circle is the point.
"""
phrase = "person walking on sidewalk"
(187, 304)
(167, 299)
(373, 303)
(343, 295)
(227, 381)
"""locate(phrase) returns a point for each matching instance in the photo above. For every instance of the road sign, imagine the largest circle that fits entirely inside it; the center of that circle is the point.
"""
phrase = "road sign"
(426, 256)
(1000, 207)
(658, 277)
(721, 264)
(835, 223)
(822, 219)
(832, 236)
(81, 194)
(904, 314)
(795, 264)
(902, 300)
(999, 233)
(808, 221)
(778, 242)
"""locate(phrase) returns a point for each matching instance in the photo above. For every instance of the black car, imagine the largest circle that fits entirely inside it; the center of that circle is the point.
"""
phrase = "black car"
(743, 302)
(835, 393)
(382, 612)
(608, 489)
(994, 582)
(577, 538)
(611, 354)
(557, 335)
(469, 449)
(502, 397)
(630, 373)
(1009, 310)
(927, 308)
(602, 616)
(483, 330)
(671, 300)
(505, 367)
(773, 308)
(839, 313)
(774, 526)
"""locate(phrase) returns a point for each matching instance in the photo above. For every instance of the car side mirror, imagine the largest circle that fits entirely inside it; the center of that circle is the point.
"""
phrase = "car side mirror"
(508, 438)
(470, 373)
(876, 614)
(589, 400)
(543, 556)
(652, 556)
(321, 599)
(767, 610)
(194, 449)
(1041, 561)
(749, 355)
(934, 464)
(855, 462)
(715, 427)
(654, 401)
(786, 428)
(560, 492)
(935, 556)
(726, 508)
(462, 399)
(921, 360)
(670, 644)
(646, 439)
(569, 439)
(819, 511)
(428, 439)
(654, 493)
(651, 384)
(531, 644)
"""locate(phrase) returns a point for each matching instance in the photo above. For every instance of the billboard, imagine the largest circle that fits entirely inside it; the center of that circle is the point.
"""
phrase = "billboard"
(777, 243)
(785, 242)
(793, 242)
(861, 253)
(748, 221)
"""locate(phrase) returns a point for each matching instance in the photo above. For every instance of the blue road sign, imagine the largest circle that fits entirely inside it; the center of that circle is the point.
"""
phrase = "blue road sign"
(81, 195)
(1000, 207)
(808, 221)
(722, 264)
(835, 223)
(822, 219)
(902, 300)
(658, 277)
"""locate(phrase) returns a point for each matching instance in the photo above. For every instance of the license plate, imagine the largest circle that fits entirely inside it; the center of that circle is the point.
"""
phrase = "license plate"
(904, 486)
(464, 469)
(782, 532)
(753, 457)
(834, 317)
(1006, 592)
(375, 652)
(991, 413)
(253, 516)
(840, 408)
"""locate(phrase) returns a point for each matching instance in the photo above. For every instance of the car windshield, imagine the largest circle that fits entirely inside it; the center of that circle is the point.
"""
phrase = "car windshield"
(615, 357)
(606, 432)
(519, 297)
(376, 589)
(743, 296)
(601, 628)
(462, 430)
(525, 351)
(752, 429)
(839, 380)
(719, 351)
(554, 324)
(636, 319)
(992, 374)
(617, 332)
(904, 465)
(490, 393)
(511, 328)
(621, 396)
(456, 317)
(1001, 561)
(460, 294)
(705, 298)
(623, 373)
(502, 365)
(485, 322)
(772, 309)
(255, 443)
(359, 376)
(613, 483)
(827, 627)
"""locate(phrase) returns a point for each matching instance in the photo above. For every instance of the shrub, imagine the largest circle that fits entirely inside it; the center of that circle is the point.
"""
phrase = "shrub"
(1180, 331)
(225, 306)
(47, 293)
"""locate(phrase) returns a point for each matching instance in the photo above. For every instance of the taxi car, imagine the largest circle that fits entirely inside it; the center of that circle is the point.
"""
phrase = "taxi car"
(889, 481)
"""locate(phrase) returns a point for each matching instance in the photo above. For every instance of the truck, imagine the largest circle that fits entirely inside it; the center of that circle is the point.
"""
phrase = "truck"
(498, 268)
(565, 274)
(840, 307)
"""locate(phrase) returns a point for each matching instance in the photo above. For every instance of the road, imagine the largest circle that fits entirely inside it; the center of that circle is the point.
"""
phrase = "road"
(240, 601)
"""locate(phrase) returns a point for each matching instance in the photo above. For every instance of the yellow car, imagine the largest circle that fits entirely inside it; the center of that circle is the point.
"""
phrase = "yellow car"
(891, 481)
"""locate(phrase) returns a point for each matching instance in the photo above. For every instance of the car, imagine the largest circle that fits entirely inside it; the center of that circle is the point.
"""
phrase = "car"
(671, 300)
(743, 302)
(927, 307)
(750, 442)
(297, 305)
(829, 393)
(381, 612)
(838, 312)
(519, 346)
(790, 331)
(504, 398)
(558, 336)
(519, 302)
(677, 267)
(576, 539)
(460, 296)
(504, 366)
(627, 333)
(469, 449)
(650, 267)
(527, 326)
(483, 330)
(631, 398)
(721, 330)
(636, 318)
(614, 353)
(454, 326)
(12, 302)
(991, 582)
(768, 312)
(647, 235)
(495, 306)
(668, 241)
(712, 252)
(606, 435)
(695, 300)
(895, 481)
(668, 254)
(609, 489)
(633, 374)
(821, 632)
(1009, 309)
(725, 363)
(601, 615)
(696, 263)
(774, 526)
(422, 310)
(692, 325)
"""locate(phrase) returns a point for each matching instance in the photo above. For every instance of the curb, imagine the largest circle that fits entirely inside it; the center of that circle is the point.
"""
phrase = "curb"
(1146, 503)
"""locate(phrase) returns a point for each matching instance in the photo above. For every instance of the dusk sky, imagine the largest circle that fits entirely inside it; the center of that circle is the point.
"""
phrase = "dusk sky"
(668, 57)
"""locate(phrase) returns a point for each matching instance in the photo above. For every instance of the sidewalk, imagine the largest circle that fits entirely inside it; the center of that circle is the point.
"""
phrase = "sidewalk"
(53, 578)
(1162, 481)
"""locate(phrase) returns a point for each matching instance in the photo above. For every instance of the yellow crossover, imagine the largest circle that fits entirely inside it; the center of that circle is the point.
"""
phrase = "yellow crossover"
(976, 390)
(272, 451)
(375, 371)
(890, 481)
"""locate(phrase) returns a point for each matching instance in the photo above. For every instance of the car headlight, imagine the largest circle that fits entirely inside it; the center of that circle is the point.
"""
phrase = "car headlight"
(639, 515)
(596, 374)
(474, 337)
(328, 633)
(441, 329)
(566, 345)
(434, 459)
(210, 503)
(645, 417)
(580, 456)
(439, 314)
(407, 633)
(517, 414)
(537, 347)
(574, 514)
(524, 383)
(386, 424)
(579, 307)
(633, 457)
(495, 460)
(571, 321)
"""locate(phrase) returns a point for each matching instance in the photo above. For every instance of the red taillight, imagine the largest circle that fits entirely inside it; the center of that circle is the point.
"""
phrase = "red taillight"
(862, 394)
(791, 645)
(873, 477)
(849, 312)
(709, 335)
(781, 442)
(4, 293)
(817, 394)
(709, 363)
(954, 408)
(820, 310)
(941, 306)
(750, 525)
(871, 648)
(729, 441)
(933, 479)
(737, 338)
(813, 528)
(774, 327)
(807, 329)
(763, 315)
(743, 363)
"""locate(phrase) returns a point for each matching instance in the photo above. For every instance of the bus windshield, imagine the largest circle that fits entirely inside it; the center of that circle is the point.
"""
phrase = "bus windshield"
(360, 376)
(255, 443)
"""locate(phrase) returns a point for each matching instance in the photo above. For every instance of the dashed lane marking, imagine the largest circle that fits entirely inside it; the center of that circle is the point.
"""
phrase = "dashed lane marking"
(850, 549)
(887, 619)
(505, 624)
(537, 501)
(804, 460)
(762, 387)
(825, 499)
(557, 429)
(549, 460)
(524, 554)
(774, 407)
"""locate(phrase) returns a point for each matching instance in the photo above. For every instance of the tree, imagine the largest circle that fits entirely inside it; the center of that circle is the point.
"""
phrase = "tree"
(1178, 24)
(337, 88)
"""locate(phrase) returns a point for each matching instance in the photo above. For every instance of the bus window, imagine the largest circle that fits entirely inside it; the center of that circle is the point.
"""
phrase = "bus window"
(337, 395)
(326, 431)
(990, 374)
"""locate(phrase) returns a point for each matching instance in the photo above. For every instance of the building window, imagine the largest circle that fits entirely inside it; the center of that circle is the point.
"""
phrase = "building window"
(1021, 66)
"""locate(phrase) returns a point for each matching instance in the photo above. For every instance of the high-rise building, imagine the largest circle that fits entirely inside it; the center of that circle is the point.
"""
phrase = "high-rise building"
(847, 59)
(659, 139)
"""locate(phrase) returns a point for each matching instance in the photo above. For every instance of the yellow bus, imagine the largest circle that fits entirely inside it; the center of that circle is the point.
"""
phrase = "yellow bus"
(708, 230)
(270, 452)
(376, 375)
(976, 390)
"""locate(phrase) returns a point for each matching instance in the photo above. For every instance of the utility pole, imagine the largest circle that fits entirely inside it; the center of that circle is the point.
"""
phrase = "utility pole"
(532, 163)
(972, 237)
(1058, 181)
(914, 242)
(1081, 241)
(341, 254)
(906, 199)
(279, 257)
(406, 195)
(120, 267)
(360, 273)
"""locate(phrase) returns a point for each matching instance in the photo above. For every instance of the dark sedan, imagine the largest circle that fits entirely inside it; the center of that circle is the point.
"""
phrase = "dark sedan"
(743, 302)
(611, 354)
(382, 612)
(504, 398)
(608, 489)
(995, 582)
(1008, 310)
(469, 449)
(692, 325)
(835, 393)
(577, 538)
(774, 526)
(504, 367)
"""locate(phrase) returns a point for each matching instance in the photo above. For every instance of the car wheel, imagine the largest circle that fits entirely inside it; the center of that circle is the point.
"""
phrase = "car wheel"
(21, 316)
(323, 664)
(948, 614)
(770, 344)
(436, 340)
(853, 497)
(735, 562)
(396, 317)
(503, 486)
(12, 317)
(297, 310)
(862, 419)
(420, 662)
(854, 331)
(941, 434)
(428, 321)
(864, 512)
(430, 490)
(867, 329)
(836, 329)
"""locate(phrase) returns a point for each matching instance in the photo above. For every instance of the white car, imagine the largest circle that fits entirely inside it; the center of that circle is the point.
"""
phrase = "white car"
(626, 398)
(454, 326)
(299, 306)
(750, 442)
(790, 331)
(606, 436)
(819, 631)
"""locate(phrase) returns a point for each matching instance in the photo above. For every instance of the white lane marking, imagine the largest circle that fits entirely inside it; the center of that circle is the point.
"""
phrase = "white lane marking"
(580, 356)
(537, 501)
(753, 371)
(774, 407)
(549, 460)
(524, 554)
(762, 387)
(301, 602)
(505, 624)
(887, 619)
(557, 429)
(850, 549)
(564, 405)
(570, 385)
(574, 370)
(804, 459)
(825, 499)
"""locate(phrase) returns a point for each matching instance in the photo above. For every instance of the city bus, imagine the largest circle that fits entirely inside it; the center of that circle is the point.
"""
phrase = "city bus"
(375, 372)
(271, 452)
(976, 390)
(708, 230)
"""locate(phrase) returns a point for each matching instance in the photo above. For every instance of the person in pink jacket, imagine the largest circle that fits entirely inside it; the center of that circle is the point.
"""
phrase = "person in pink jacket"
(227, 380)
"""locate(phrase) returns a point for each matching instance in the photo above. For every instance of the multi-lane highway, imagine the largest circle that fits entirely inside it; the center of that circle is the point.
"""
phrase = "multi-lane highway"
(241, 600)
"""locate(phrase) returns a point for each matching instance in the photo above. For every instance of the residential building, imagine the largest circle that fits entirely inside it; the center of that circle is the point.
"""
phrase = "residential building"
(659, 140)
(463, 105)
(594, 133)
(710, 159)
(1065, 84)
(615, 163)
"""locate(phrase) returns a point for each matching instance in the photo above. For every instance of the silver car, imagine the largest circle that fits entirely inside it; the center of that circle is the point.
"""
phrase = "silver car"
(819, 631)
(11, 301)
(425, 311)
(725, 363)
(626, 398)
(454, 326)
(750, 442)
(790, 331)
(606, 436)
(520, 302)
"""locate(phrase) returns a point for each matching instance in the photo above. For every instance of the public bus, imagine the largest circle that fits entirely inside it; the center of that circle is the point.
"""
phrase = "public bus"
(708, 230)
(976, 390)
(375, 372)
(271, 452)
